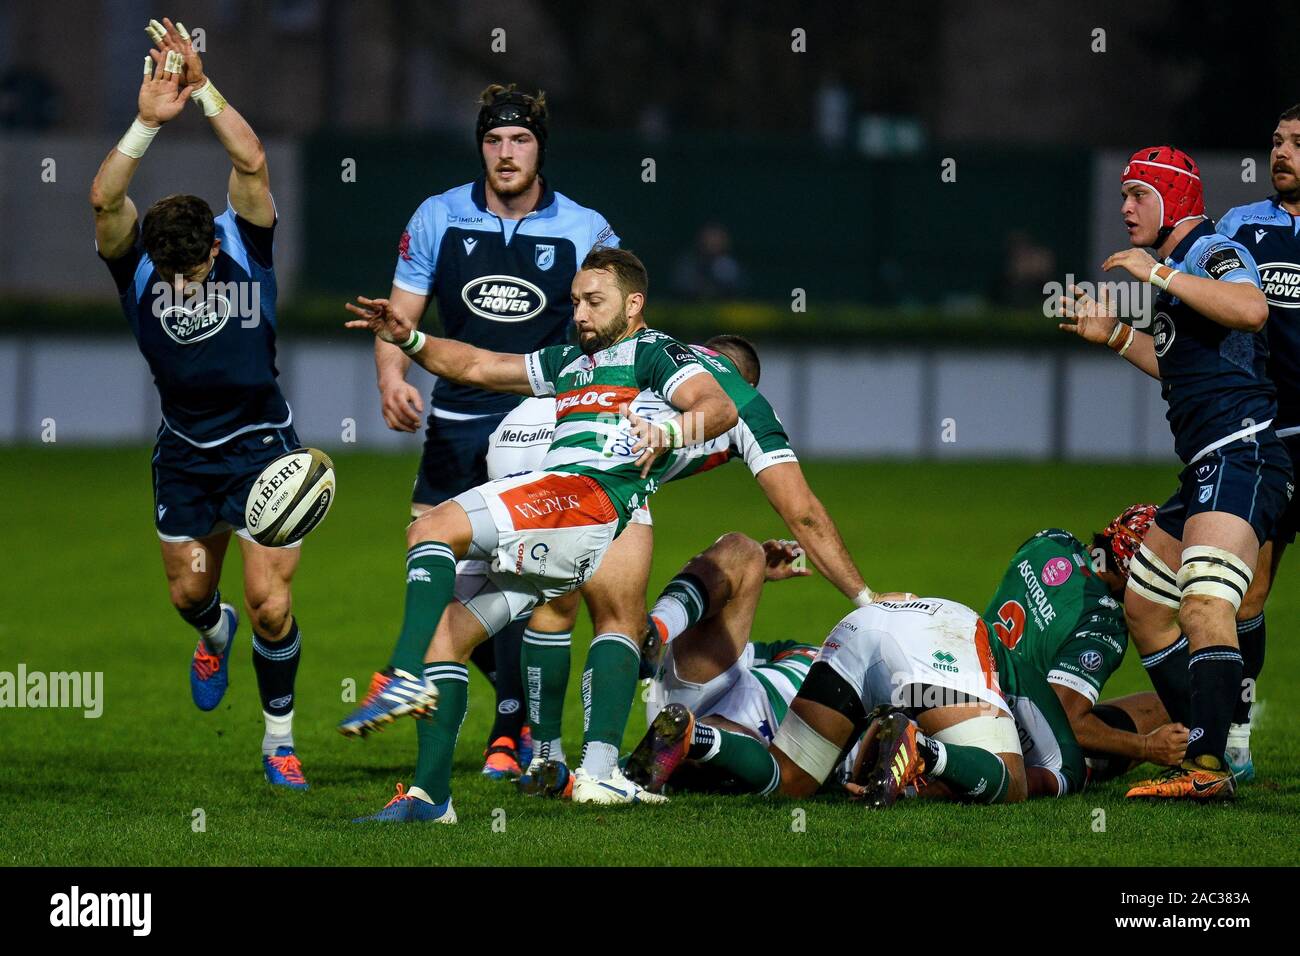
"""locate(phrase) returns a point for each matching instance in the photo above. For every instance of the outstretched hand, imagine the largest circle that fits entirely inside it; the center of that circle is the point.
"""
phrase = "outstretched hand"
(378, 317)
(161, 97)
(174, 37)
(1093, 320)
(784, 559)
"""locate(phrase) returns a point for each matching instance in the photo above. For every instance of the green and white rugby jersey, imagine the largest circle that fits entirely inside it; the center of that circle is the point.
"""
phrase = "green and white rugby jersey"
(1056, 616)
(758, 437)
(781, 668)
(591, 438)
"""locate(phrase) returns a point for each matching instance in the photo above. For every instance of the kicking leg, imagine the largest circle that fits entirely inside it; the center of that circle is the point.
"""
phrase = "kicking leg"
(435, 542)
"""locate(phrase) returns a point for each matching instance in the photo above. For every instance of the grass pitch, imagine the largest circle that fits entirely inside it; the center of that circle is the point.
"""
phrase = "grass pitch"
(83, 590)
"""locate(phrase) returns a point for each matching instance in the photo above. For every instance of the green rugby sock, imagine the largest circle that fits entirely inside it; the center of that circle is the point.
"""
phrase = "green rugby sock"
(545, 663)
(976, 775)
(608, 686)
(739, 754)
(430, 581)
(437, 734)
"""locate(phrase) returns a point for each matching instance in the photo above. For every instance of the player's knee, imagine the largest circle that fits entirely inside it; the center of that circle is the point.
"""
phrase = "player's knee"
(730, 563)
(190, 592)
(1203, 616)
(269, 612)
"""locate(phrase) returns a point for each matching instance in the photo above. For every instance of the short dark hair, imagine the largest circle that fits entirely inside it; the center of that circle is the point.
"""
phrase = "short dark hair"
(741, 351)
(628, 270)
(178, 232)
(1292, 114)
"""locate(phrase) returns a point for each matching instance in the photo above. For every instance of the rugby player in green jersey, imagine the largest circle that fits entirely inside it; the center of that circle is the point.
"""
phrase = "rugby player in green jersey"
(718, 699)
(615, 595)
(545, 532)
(1058, 610)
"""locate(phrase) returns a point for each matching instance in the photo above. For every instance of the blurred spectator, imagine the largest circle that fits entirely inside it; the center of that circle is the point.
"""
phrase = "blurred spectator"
(709, 270)
(1026, 267)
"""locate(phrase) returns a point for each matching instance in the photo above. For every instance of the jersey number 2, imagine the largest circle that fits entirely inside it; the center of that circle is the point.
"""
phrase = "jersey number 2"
(1011, 623)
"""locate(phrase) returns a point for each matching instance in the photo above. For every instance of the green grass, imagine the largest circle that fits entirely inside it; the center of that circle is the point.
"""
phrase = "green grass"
(83, 589)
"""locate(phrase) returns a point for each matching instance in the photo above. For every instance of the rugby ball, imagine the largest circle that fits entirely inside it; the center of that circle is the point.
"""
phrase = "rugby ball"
(291, 496)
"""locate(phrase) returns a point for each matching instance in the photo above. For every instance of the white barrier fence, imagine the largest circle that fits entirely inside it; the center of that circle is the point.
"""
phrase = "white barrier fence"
(1081, 404)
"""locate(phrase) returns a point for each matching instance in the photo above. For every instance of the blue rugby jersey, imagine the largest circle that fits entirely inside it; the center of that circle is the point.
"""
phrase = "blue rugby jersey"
(212, 354)
(1214, 378)
(500, 284)
(1272, 236)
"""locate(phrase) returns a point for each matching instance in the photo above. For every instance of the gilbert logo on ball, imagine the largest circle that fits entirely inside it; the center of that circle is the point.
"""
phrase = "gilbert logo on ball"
(290, 497)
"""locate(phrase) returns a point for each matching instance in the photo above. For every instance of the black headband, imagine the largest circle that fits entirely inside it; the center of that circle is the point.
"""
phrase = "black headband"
(513, 109)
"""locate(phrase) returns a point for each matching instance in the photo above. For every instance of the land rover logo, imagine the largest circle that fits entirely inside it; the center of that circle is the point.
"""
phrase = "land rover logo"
(503, 298)
(1281, 284)
(203, 321)
(1162, 331)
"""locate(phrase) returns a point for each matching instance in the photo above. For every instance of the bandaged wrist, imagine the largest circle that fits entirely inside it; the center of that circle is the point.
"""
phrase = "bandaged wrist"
(674, 432)
(210, 98)
(864, 597)
(137, 139)
(1161, 275)
(1121, 338)
(413, 344)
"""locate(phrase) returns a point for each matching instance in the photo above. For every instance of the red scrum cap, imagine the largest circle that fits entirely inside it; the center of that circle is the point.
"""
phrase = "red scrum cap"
(1124, 535)
(1176, 180)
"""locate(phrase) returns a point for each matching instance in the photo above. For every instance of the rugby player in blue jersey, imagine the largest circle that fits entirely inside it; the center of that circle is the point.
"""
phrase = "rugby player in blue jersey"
(199, 294)
(1205, 346)
(497, 255)
(1270, 229)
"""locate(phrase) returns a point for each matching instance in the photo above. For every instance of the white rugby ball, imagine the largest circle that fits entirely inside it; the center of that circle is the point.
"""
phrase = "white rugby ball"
(291, 496)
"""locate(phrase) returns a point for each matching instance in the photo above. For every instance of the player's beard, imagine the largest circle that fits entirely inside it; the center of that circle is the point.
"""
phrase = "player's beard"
(1291, 195)
(602, 339)
(523, 182)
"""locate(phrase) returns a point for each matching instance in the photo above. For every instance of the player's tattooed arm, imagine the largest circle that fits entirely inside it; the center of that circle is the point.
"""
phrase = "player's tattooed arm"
(804, 514)
(1236, 305)
(446, 358)
(1096, 321)
(161, 99)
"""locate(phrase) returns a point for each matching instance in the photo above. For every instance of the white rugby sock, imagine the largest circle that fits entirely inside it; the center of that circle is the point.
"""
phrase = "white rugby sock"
(671, 613)
(218, 636)
(279, 732)
(599, 759)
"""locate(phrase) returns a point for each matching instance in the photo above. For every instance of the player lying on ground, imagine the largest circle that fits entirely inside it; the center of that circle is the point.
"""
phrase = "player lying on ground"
(1209, 352)
(545, 532)
(1270, 230)
(615, 595)
(1057, 610)
(718, 699)
(181, 275)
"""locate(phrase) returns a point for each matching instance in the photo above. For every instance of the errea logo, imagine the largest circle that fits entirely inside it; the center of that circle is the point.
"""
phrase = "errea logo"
(503, 298)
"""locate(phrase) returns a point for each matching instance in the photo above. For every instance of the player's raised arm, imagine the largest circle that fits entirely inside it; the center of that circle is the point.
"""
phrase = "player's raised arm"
(446, 358)
(1236, 303)
(250, 183)
(803, 513)
(161, 99)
